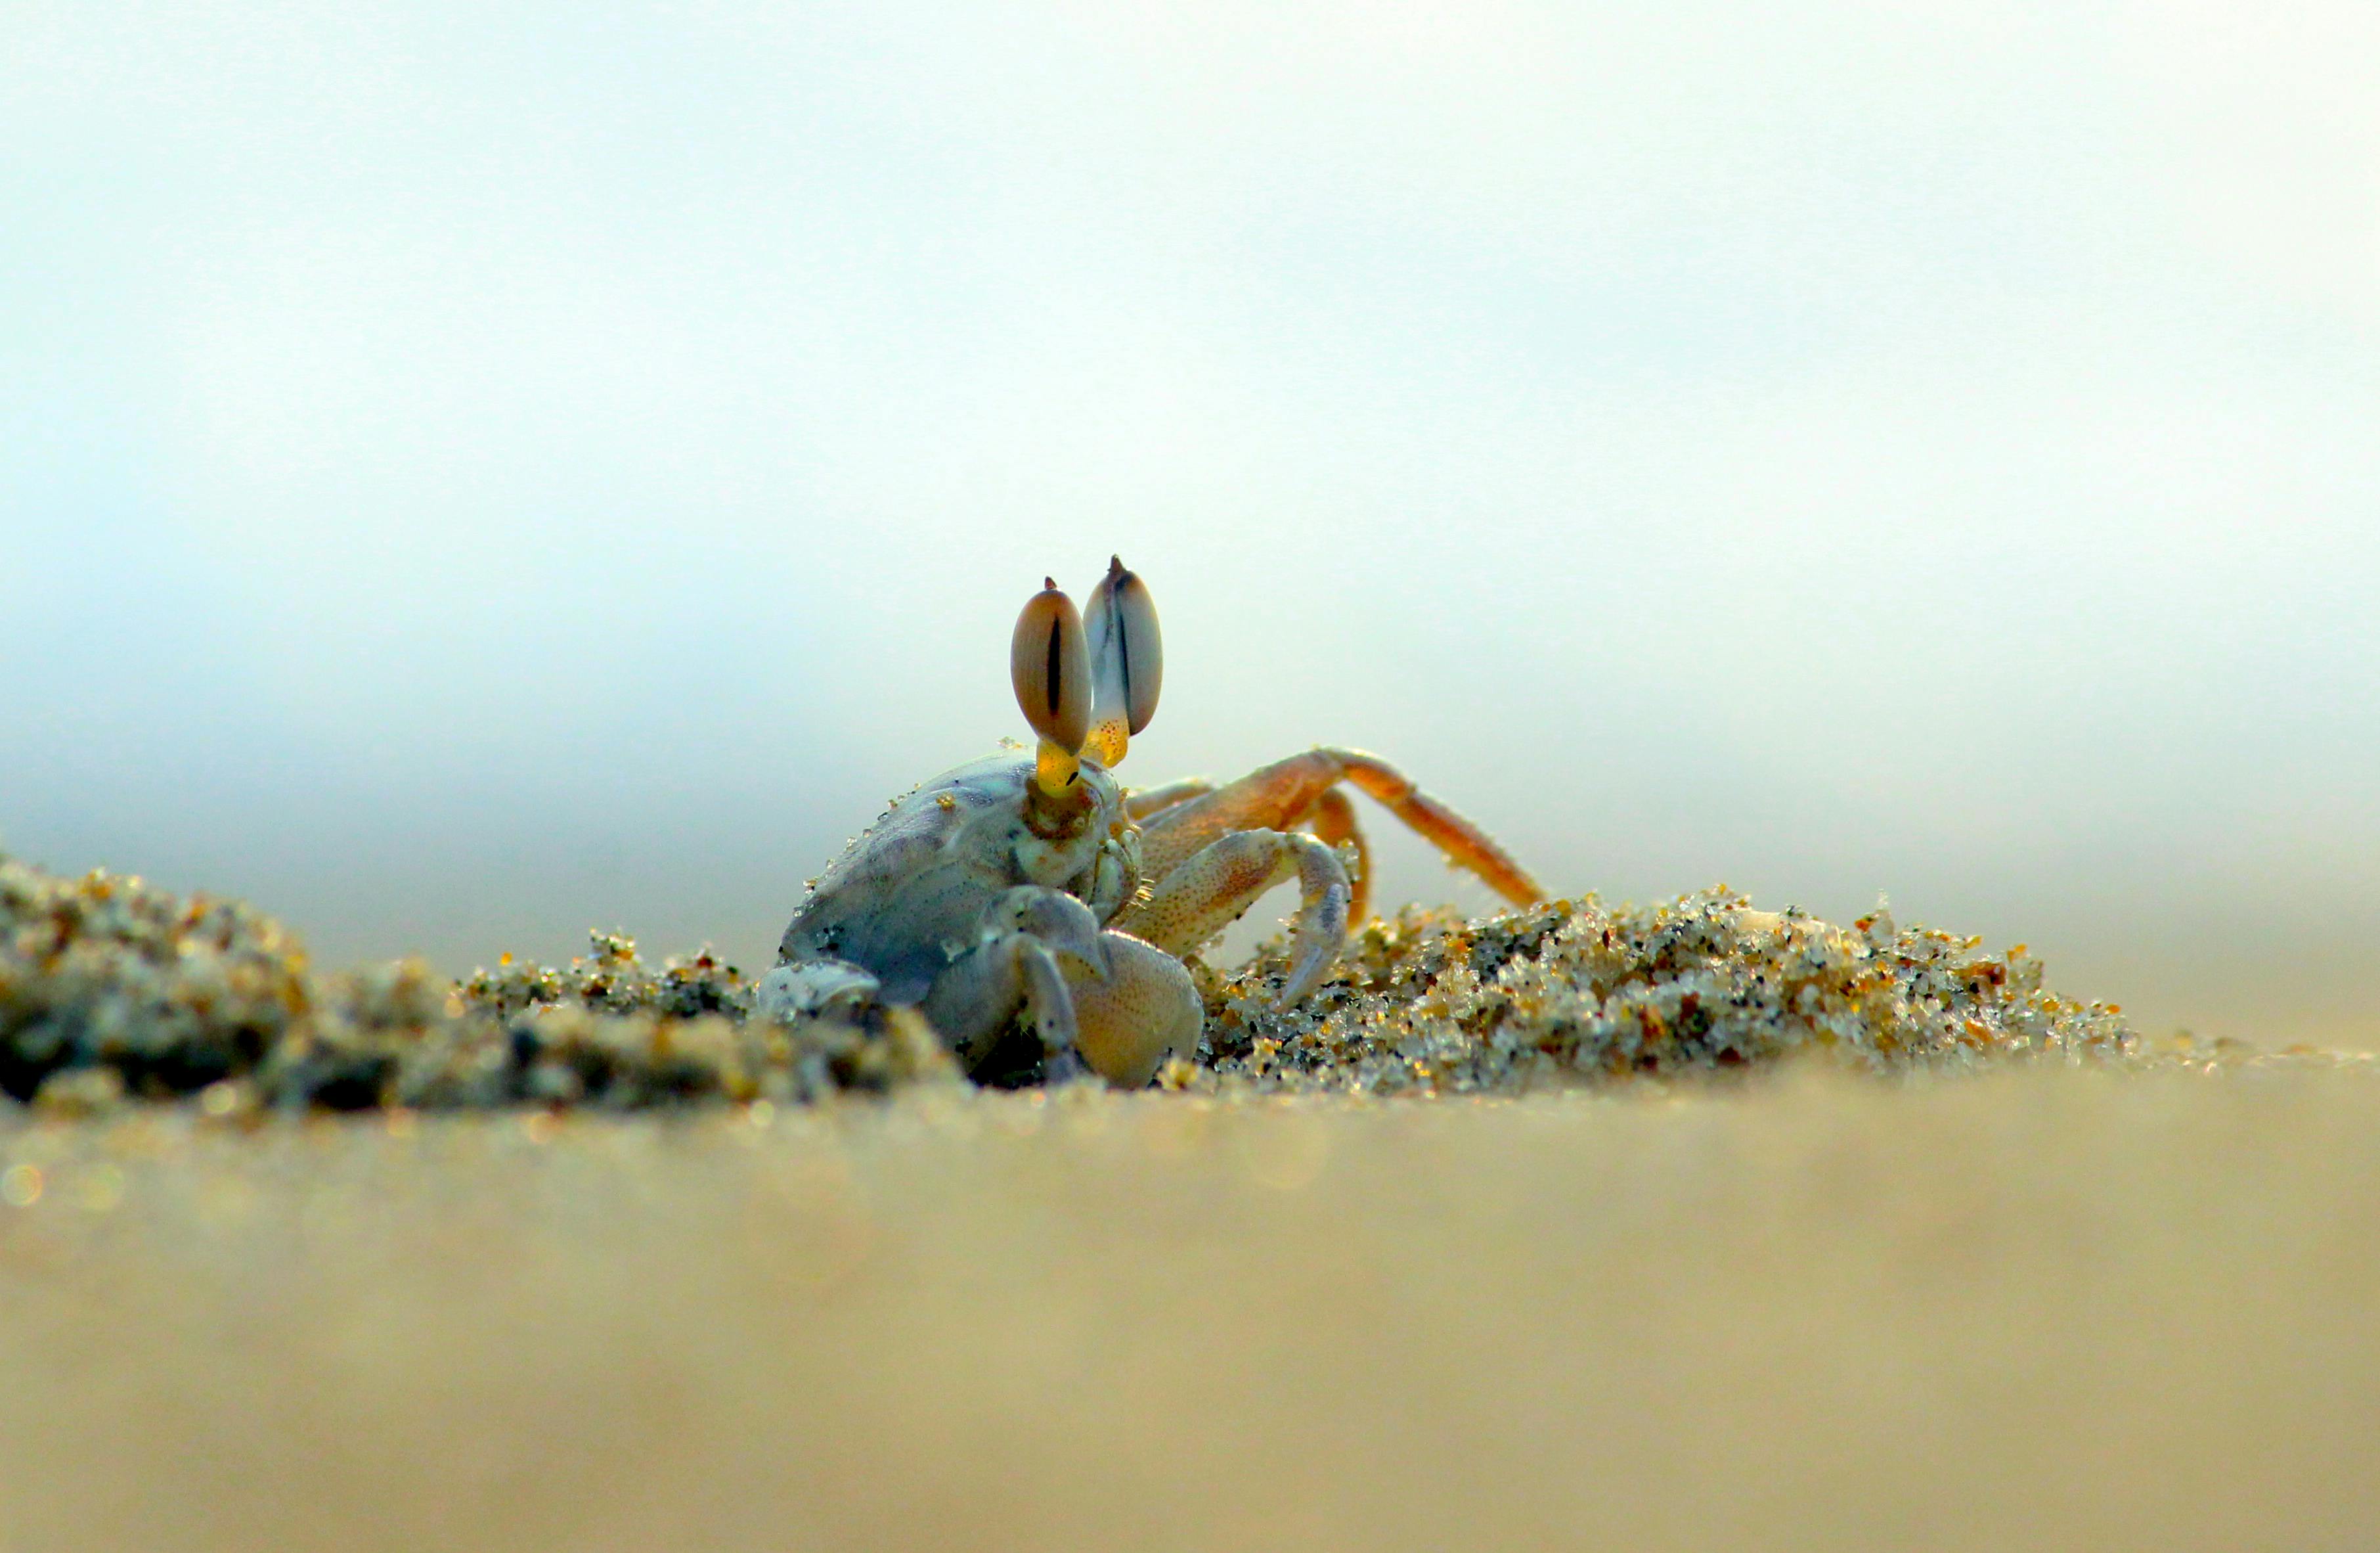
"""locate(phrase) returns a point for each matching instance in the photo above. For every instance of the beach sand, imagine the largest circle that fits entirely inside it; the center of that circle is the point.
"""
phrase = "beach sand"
(1685, 1225)
(2056, 1306)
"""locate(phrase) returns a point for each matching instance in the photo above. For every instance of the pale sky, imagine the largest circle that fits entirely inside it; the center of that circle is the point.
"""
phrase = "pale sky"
(465, 476)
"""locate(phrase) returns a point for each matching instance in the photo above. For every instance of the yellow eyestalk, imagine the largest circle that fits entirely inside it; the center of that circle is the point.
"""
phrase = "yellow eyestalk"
(1127, 661)
(1051, 669)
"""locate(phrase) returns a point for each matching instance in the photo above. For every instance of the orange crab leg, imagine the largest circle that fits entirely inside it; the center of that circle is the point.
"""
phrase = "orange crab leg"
(1333, 822)
(1141, 802)
(1282, 794)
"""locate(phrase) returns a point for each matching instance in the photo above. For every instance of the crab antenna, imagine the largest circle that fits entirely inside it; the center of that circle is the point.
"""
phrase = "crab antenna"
(1050, 669)
(1127, 661)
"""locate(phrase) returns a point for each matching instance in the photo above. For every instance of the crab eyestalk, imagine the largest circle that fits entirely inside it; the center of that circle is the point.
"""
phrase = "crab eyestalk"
(1051, 669)
(1127, 661)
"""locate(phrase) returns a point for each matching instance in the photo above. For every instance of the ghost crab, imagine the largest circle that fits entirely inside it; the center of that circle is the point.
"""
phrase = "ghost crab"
(1036, 884)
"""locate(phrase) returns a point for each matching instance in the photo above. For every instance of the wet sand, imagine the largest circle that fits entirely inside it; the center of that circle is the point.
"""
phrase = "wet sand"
(2056, 1306)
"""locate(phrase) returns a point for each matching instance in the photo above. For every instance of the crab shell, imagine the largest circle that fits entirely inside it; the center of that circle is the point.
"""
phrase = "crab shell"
(909, 895)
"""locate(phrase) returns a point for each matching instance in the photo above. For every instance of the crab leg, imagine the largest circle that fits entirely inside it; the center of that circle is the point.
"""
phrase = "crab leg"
(1141, 802)
(1284, 793)
(1333, 822)
(1199, 897)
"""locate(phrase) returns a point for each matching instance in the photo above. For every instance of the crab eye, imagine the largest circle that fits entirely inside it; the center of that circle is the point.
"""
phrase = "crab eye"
(1051, 668)
(1127, 661)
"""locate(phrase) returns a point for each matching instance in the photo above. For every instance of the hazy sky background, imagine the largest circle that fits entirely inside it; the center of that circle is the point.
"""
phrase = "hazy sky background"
(468, 474)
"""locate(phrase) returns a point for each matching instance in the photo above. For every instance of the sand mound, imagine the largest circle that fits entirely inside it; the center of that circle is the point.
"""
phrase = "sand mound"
(111, 988)
(1578, 990)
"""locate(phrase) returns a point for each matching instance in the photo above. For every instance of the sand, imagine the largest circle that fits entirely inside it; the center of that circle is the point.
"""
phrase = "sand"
(112, 990)
(2058, 1307)
(1683, 1226)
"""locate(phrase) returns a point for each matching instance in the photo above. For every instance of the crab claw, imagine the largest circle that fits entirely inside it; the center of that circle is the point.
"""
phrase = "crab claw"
(1051, 669)
(1063, 924)
(1127, 661)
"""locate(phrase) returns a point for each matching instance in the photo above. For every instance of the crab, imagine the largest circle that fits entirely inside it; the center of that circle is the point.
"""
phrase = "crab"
(1032, 899)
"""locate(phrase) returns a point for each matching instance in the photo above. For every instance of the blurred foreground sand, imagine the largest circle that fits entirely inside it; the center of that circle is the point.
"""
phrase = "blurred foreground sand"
(2053, 1307)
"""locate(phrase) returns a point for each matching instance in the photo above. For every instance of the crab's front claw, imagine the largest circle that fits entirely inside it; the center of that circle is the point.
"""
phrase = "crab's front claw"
(1205, 894)
(1034, 941)
(1062, 924)
(1145, 1011)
